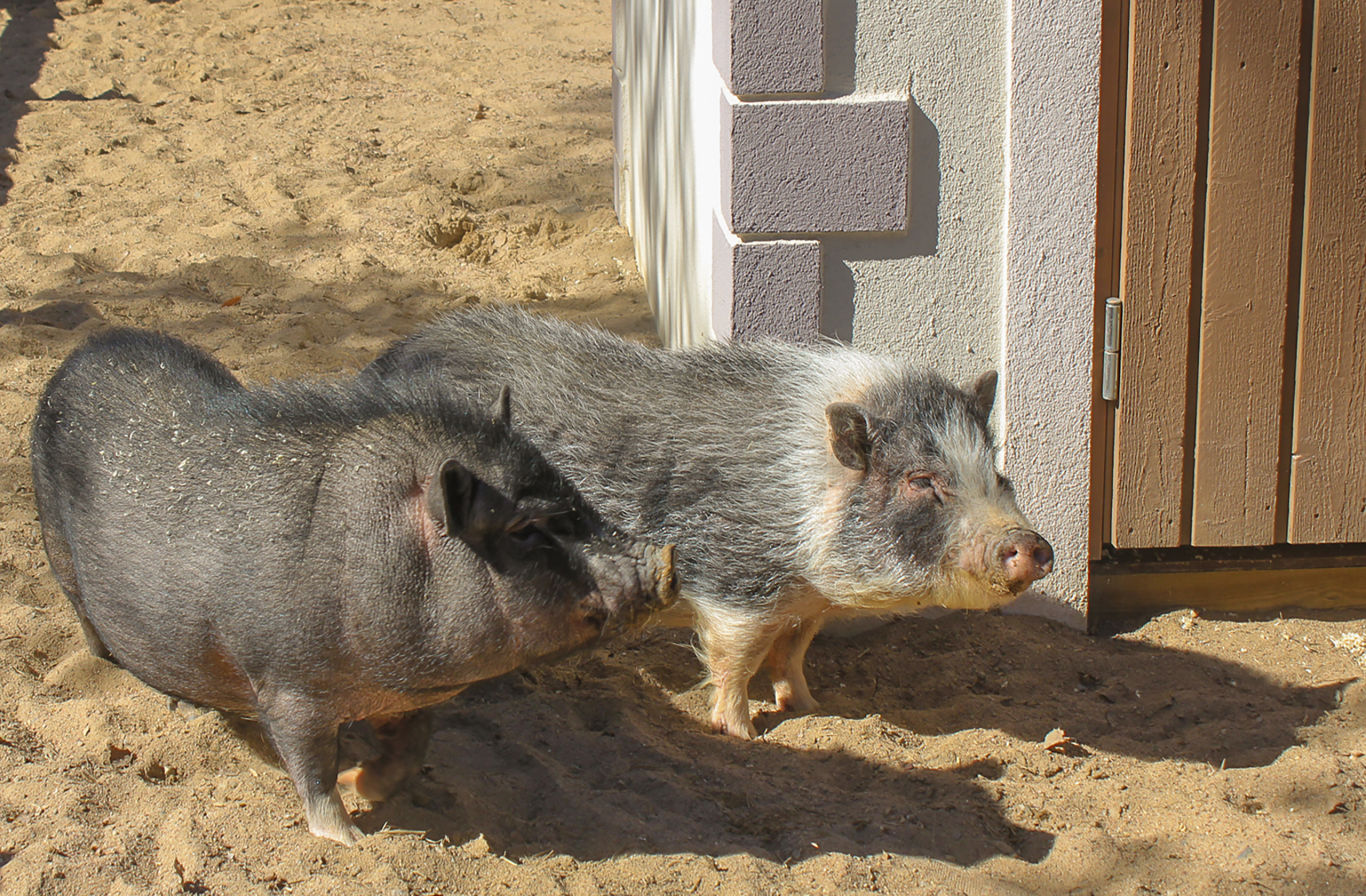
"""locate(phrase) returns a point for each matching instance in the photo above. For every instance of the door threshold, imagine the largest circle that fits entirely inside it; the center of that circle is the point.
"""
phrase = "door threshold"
(1229, 580)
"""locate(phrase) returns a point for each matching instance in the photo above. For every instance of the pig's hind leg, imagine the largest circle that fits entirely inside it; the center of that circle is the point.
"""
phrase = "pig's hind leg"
(403, 743)
(784, 665)
(304, 734)
(63, 566)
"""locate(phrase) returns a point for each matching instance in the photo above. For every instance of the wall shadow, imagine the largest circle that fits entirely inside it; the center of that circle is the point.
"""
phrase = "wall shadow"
(23, 47)
(232, 299)
(921, 238)
(841, 47)
(24, 44)
(1028, 676)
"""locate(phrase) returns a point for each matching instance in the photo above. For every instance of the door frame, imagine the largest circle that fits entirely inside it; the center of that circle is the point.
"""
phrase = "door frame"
(1049, 398)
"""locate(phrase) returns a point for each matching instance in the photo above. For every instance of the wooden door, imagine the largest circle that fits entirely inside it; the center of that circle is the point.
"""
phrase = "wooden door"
(1240, 201)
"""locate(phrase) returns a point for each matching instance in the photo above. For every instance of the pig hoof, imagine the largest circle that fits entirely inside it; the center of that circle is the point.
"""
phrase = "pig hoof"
(328, 818)
(796, 703)
(741, 728)
(347, 834)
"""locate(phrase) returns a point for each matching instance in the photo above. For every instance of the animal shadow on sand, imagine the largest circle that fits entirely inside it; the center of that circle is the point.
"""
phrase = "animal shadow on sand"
(537, 767)
(593, 758)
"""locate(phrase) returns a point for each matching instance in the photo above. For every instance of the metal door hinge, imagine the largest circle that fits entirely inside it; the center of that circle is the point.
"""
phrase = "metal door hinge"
(1109, 369)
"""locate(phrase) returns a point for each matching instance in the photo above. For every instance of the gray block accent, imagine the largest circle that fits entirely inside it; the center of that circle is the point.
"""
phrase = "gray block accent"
(772, 288)
(777, 290)
(815, 167)
(769, 46)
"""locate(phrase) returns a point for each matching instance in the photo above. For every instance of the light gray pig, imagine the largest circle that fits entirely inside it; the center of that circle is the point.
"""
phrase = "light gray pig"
(312, 554)
(798, 483)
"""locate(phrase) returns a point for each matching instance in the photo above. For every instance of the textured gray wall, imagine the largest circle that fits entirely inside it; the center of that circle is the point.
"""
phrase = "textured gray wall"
(933, 292)
(815, 167)
(1050, 302)
(774, 287)
(770, 46)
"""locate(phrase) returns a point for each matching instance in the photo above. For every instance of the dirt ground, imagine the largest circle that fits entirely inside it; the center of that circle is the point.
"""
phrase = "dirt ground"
(292, 185)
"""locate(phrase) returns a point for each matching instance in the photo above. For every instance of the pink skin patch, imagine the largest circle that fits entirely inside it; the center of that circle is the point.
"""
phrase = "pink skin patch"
(428, 528)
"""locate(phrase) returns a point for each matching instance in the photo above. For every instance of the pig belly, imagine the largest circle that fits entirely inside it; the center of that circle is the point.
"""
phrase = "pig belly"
(207, 674)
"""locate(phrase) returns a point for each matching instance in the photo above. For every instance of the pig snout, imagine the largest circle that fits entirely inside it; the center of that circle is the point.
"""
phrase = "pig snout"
(1006, 562)
(633, 585)
(1024, 557)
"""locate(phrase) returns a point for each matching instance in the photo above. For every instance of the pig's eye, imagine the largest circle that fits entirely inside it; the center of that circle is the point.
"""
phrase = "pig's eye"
(560, 524)
(526, 532)
(918, 486)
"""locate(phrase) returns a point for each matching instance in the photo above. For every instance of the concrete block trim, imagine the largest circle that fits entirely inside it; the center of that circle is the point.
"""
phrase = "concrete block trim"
(774, 288)
(811, 167)
(770, 46)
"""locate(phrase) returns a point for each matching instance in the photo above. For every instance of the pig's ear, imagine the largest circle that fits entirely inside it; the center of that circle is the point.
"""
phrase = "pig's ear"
(502, 406)
(461, 501)
(849, 435)
(983, 392)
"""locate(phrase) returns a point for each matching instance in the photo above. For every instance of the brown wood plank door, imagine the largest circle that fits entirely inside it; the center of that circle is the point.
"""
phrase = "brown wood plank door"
(1241, 413)
(1328, 466)
(1245, 287)
(1157, 235)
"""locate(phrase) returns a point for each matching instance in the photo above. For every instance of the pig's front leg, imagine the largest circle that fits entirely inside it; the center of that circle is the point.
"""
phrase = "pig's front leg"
(304, 734)
(734, 644)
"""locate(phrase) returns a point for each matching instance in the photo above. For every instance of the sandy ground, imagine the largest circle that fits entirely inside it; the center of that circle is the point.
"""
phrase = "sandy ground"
(292, 185)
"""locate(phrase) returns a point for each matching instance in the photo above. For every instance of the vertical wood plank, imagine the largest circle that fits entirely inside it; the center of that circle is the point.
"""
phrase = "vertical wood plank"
(1328, 465)
(1162, 143)
(1248, 211)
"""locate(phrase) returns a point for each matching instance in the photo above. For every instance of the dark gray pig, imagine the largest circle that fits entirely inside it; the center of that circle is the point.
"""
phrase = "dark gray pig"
(312, 554)
(798, 483)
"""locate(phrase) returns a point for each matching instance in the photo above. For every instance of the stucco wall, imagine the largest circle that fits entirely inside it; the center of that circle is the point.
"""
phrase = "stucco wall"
(1050, 305)
(932, 294)
(986, 263)
(931, 289)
